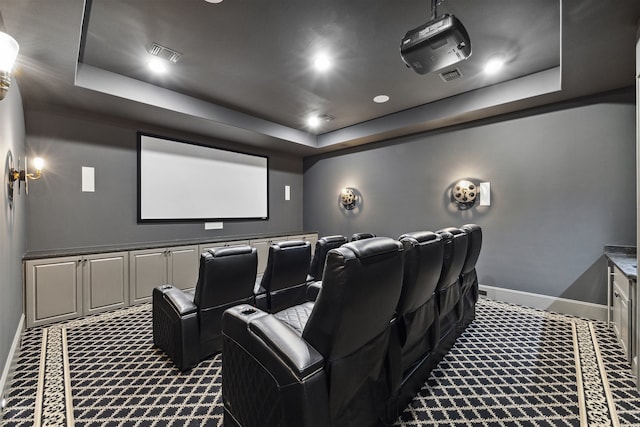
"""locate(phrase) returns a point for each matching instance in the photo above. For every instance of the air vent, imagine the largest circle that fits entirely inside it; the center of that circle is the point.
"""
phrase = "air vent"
(450, 75)
(164, 52)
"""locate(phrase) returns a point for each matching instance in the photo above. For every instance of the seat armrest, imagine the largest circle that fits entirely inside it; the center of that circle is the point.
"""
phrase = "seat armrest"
(181, 302)
(252, 327)
(313, 289)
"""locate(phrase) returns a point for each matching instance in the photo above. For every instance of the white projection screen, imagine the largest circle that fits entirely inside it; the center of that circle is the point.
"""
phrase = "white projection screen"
(182, 181)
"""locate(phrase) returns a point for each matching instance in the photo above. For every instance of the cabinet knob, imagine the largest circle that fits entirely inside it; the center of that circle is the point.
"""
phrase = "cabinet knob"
(616, 294)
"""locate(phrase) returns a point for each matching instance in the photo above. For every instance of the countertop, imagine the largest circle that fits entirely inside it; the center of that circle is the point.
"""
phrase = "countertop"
(52, 253)
(625, 258)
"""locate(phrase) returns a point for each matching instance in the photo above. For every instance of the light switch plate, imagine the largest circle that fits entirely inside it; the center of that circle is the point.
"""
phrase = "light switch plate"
(485, 194)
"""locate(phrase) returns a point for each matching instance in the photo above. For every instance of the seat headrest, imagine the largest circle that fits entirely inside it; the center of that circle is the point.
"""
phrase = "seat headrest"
(333, 239)
(421, 236)
(474, 244)
(290, 243)
(230, 250)
(423, 259)
(453, 230)
(373, 246)
(455, 253)
(361, 236)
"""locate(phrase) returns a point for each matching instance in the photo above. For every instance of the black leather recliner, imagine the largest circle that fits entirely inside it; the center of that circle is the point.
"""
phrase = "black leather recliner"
(417, 320)
(449, 288)
(334, 372)
(187, 327)
(360, 236)
(323, 246)
(284, 282)
(469, 277)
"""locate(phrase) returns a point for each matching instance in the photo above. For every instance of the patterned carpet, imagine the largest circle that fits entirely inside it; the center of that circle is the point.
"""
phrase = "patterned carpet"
(512, 367)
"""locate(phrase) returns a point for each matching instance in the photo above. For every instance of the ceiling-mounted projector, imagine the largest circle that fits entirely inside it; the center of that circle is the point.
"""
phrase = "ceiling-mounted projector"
(441, 42)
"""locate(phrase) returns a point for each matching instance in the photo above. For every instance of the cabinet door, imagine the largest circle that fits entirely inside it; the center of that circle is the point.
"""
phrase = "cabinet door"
(147, 269)
(53, 290)
(621, 307)
(105, 282)
(182, 263)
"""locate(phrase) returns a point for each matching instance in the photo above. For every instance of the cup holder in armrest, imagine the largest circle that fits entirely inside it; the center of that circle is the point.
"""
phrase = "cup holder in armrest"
(248, 311)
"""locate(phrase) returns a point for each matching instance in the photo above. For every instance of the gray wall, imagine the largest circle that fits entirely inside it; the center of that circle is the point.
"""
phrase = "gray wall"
(562, 186)
(62, 216)
(13, 219)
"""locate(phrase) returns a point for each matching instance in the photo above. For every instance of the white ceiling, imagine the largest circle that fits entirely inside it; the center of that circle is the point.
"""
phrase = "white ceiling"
(245, 74)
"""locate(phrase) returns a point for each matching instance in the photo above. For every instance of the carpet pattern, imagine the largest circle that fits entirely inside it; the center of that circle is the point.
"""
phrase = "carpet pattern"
(513, 366)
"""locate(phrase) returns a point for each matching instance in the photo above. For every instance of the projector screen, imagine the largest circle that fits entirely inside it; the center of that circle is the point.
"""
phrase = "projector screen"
(183, 181)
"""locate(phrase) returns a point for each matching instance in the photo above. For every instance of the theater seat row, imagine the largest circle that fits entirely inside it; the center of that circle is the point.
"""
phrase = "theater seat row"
(386, 312)
(187, 325)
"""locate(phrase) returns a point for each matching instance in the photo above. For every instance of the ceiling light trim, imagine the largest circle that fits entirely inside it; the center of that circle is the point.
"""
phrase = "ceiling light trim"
(429, 116)
(117, 85)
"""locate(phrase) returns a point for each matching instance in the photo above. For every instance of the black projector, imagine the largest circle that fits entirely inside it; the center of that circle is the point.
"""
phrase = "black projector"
(437, 44)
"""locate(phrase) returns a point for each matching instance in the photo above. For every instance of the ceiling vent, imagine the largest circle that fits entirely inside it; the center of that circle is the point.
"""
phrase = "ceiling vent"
(164, 52)
(450, 75)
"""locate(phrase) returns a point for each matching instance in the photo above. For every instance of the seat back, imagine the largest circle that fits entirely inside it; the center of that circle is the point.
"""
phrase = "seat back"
(448, 288)
(285, 276)
(469, 277)
(226, 274)
(350, 325)
(225, 278)
(361, 236)
(323, 246)
(417, 310)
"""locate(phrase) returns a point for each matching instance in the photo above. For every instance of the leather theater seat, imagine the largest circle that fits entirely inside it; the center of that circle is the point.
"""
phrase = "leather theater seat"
(333, 372)
(468, 276)
(187, 327)
(449, 288)
(284, 282)
(417, 320)
(323, 246)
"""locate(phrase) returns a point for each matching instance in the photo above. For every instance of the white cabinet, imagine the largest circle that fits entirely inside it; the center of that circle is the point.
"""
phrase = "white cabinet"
(148, 268)
(67, 287)
(62, 288)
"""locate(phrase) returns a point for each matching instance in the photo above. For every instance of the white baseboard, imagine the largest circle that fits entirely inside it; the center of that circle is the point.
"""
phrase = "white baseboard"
(9, 364)
(544, 302)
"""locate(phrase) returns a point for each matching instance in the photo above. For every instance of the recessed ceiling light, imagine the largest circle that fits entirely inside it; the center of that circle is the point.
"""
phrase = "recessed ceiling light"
(213, 1)
(322, 62)
(493, 65)
(380, 99)
(313, 121)
(157, 65)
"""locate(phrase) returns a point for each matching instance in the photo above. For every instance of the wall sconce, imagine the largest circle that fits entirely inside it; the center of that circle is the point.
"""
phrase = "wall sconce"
(464, 193)
(24, 175)
(348, 198)
(8, 54)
